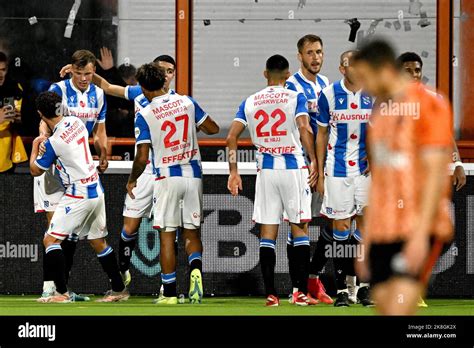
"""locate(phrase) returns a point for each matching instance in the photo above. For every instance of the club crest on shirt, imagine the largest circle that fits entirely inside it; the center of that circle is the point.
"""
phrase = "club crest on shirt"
(92, 100)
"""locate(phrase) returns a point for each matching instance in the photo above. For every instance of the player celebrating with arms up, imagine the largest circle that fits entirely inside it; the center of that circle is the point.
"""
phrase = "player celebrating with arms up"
(279, 125)
(168, 124)
(81, 210)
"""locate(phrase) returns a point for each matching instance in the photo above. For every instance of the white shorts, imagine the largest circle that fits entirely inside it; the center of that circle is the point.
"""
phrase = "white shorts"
(84, 217)
(345, 197)
(142, 205)
(282, 193)
(178, 204)
(47, 192)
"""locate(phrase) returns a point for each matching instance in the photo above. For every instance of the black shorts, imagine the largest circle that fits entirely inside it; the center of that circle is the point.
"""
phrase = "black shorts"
(386, 261)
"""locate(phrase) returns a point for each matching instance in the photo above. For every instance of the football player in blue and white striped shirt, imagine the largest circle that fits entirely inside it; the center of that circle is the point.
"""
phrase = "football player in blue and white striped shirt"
(81, 210)
(279, 127)
(168, 125)
(80, 98)
(136, 209)
(343, 116)
(310, 82)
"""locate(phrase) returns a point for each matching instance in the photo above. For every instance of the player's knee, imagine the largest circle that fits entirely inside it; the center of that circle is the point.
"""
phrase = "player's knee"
(342, 225)
(299, 230)
(98, 244)
(167, 239)
(131, 226)
(341, 231)
(48, 240)
(191, 235)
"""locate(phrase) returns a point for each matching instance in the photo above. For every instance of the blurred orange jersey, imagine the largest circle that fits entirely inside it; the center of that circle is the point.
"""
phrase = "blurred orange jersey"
(401, 129)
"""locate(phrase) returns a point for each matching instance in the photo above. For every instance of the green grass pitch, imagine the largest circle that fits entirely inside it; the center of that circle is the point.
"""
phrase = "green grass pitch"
(141, 305)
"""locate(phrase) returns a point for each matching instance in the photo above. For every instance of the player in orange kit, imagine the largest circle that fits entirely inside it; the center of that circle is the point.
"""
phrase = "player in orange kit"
(410, 145)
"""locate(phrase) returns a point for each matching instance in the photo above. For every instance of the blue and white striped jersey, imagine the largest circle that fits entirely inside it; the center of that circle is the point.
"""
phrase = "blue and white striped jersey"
(135, 93)
(270, 115)
(89, 106)
(347, 114)
(169, 124)
(311, 90)
(68, 147)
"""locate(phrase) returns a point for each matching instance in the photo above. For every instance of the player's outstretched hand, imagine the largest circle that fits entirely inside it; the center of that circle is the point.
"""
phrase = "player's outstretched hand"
(106, 60)
(415, 253)
(103, 165)
(65, 70)
(234, 184)
(459, 177)
(313, 175)
(130, 186)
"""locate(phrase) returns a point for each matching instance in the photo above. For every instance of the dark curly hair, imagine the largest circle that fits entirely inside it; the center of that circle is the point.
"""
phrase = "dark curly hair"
(409, 57)
(49, 103)
(151, 77)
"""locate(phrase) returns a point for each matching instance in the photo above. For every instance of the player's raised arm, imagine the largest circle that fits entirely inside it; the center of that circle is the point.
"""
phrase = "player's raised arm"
(110, 89)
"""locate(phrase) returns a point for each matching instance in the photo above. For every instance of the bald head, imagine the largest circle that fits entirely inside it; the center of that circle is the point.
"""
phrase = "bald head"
(346, 58)
(346, 69)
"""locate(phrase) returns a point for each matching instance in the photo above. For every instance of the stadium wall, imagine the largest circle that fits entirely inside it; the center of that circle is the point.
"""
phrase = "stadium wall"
(232, 40)
(230, 241)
